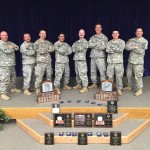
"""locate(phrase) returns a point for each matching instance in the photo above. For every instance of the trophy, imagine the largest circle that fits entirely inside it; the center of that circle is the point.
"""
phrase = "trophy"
(106, 91)
(47, 93)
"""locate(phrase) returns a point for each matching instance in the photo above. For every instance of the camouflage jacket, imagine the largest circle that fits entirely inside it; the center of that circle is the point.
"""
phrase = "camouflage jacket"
(43, 49)
(115, 51)
(97, 43)
(79, 48)
(137, 54)
(28, 53)
(62, 50)
(7, 55)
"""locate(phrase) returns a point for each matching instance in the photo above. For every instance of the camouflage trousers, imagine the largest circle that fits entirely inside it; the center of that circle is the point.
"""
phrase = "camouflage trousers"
(100, 64)
(81, 72)
(7, 78)
(40, 69)
(60, 70)
(28, 74)
(137, 71)
(118, 70)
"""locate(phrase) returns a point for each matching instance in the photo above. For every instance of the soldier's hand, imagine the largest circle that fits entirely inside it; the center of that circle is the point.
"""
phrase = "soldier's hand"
(10, 47)
(136, 47)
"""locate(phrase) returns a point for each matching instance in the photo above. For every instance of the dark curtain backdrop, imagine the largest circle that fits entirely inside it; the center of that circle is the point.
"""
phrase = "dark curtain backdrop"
(20, 16)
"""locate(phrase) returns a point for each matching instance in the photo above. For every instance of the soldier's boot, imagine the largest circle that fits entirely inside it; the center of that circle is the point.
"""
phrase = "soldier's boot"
(94, 85)
(78, 86)
(15, 90)
(37, 91)
(138, 92)
(5, 97)
(58, 91)
(84, 90)
(66, 87)
(27, 92)
(119, 92)
(127, 88)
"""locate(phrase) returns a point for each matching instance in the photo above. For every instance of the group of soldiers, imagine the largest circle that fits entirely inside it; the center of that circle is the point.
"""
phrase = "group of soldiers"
(37, 61)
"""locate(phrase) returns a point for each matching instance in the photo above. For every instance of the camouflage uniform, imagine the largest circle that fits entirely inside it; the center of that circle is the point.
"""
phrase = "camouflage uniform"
(98, 44)
(79, 48)
(43, 61)
(136, 60)
(7, 66)
(28, 61)
(62, 50)
(115, 61)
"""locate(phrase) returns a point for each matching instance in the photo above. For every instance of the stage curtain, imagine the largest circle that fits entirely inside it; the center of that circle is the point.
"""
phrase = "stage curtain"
(68, 16)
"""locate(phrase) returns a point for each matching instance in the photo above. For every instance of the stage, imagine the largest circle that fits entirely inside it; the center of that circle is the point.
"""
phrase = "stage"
(21, 106)
(133, 118)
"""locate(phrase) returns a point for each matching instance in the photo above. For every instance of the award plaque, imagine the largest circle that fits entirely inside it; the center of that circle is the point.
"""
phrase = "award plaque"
(68, 120)
(49, 138)
(108, 120)
(83, 120)
(103, 120)
(112, 107)
(79, 120)
(82, 138)
(62, 120)
(115, 138)
(47, 86)
(88, 120)
(59, 120)
(99, 120)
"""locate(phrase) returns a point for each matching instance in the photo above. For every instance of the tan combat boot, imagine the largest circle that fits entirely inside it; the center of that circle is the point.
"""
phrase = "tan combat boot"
(84, 90)
(127, 88)
(119, 92)
(37, 91)
(66, 87)
(78, 86)
(58, 91)
(27, 92)
(15, 90)
(5, 97)
(138, 92)
(94, 85)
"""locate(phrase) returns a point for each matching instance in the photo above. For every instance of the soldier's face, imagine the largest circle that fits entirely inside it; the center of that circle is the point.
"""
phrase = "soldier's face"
(115, 34)
(139, 32)
(4, 36)
(98, 29)
(42, 35)
(61, 37)
(27, 37)
(81, 34)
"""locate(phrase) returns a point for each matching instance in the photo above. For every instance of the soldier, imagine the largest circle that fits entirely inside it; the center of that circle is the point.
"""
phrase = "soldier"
(43, 59)
(97, 43)
(115, 48)
(28, 61)
(79, 48)
(7, 66)
(62, 63)
(137, 47)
